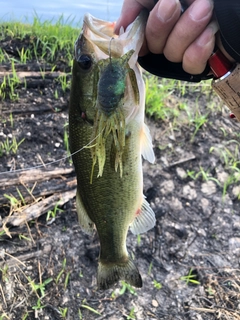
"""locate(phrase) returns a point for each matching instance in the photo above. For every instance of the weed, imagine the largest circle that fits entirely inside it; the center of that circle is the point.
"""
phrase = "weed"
(190, 278)
(24, 55)
(13, 83)
(11, 120)
(9, 146)
(83, 305)
(157, 285)
(205, 175)
(191, 174)
(52, 213)
(63, 312)
(4, 273)
(14, 202)
(21, 236)
(62, 271)
(127, 287)
(2, 232)
(156, 95)
(65, 83)
(39, 305)
(131, 314)
(80, 314)
(2, 56)
(138, 239)
(66, 280)
(25, 316)
(56, 94)
(150, 268)
(40, 286)
(199, 122)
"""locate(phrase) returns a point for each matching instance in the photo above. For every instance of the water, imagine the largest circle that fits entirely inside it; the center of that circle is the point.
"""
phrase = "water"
(24, 10)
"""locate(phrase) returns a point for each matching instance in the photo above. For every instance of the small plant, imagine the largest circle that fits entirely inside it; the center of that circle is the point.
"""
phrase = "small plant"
(199, 122)
(25, 316)
(150, 268)
(127, 287)
(9, 146)
(21, 236)
(24, 55)
(63, 312)
(65, 84)
(4, 273)
(85, 306)
(56, 94)
(138, 239)
(190, 278)
(62, 271)
(131, 314)
(157, 285)
(52, 213)
(39, 305)
(40, 286)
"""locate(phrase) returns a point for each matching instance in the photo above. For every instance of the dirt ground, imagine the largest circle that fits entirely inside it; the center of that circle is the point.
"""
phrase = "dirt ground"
(189, 262)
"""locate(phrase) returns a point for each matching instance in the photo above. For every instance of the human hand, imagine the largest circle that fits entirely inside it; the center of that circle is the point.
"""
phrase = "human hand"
(188, 38)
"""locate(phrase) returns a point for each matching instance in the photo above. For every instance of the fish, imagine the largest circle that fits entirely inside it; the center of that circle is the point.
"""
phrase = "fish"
(107, 138)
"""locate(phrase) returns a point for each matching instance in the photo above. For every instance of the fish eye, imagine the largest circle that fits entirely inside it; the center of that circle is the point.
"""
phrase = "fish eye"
(85, 61)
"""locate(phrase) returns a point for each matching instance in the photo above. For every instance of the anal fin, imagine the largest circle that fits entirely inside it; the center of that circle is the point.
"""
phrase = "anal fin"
(144, 220)
(83, 218)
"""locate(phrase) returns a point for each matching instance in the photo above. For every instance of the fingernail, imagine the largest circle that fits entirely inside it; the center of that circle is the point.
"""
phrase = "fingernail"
(166, 9)
(208, 34)
(201, 9)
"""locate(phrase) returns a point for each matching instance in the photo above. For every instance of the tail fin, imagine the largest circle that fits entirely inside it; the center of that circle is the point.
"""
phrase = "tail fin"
(108, 274)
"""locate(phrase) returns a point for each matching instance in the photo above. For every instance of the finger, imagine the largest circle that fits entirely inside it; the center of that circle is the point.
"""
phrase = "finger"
(130, 10)
(189, 27)
(161, 20)
(197, 54)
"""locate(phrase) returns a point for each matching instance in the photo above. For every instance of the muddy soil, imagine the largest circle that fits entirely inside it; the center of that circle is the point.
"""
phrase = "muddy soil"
(189, 262)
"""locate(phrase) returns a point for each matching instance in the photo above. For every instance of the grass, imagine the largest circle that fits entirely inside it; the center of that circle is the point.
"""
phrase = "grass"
(39, 42)
(46, 39)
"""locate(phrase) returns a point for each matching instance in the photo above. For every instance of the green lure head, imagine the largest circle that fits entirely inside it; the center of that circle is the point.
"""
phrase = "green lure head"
(112, 82)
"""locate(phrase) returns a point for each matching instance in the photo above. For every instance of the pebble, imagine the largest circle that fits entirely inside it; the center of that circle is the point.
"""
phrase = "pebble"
(181, 173)
(154, 303)
(167, 186)
(206, 206)
(222, 176)
(208, 187)
(189, 192)
(175, 204)
(236, 191)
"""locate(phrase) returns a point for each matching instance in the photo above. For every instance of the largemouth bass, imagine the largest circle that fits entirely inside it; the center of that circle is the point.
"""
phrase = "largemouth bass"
(106, 121)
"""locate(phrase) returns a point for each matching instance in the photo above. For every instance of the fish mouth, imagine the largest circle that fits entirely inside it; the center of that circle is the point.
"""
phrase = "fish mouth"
(100, 27)
(101, 33)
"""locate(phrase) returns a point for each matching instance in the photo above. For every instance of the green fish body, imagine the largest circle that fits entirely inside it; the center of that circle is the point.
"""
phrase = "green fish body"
(106, 122)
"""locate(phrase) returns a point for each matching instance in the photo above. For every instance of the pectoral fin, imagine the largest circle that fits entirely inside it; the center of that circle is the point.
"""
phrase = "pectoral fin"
(144, 220)
(83, 218)
(146, 145)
